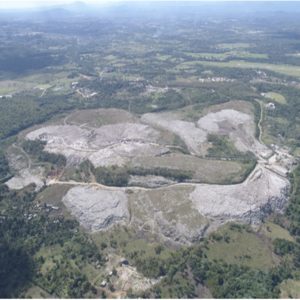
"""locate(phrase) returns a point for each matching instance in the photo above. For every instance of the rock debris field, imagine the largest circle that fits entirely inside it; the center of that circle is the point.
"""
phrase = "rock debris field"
(108, 145)
(180, 212)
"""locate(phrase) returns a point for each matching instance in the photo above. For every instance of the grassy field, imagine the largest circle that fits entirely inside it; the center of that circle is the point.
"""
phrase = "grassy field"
(241, 246)
(7, 90)
(222, 56)
(53, 195)
(204, 170)
(99, 117)
(276, 97)
(240, 64)
(274, 231)
(36, 292)
(290, 289)
(125, 242)
(12, 86)
(50, 254)
(269, 137)
(233, 46)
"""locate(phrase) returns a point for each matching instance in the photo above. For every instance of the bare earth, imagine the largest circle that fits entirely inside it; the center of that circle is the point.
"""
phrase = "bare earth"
(26, 177)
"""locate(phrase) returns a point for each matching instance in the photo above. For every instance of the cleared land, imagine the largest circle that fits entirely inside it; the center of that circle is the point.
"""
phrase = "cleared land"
(167, 212)
(204, 170)
(95, 208)
(35, 292)
(232, 46)
(226, 55)
(26, 177)
(242, 201)
(274, 231)
(290, 289)
(108, 145)
(99, 117)
(243, 247)
(275, 97)
(180, 212)
(193, 136)
(282, 69)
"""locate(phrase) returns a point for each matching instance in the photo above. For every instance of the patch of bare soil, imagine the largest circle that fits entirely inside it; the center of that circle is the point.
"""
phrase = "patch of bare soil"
(99, 117)
(26, 177)
(130, 278)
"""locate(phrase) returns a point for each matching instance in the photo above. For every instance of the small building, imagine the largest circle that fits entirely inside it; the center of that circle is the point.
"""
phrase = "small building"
(74, 84)
(270, 106)
(123, 261)
(103, 283)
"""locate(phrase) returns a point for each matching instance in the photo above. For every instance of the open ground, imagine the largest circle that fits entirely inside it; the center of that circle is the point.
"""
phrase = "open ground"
(180, 212)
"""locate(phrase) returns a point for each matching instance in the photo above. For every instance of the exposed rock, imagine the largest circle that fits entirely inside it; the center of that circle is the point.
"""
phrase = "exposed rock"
(97, 209)
(168, 212)
(262, 193)
(238, 126)
(108, 145)
(192, 136)
(26, 177)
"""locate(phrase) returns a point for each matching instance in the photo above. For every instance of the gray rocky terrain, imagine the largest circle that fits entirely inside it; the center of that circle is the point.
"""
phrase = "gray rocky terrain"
(97, 209)
(180, 212)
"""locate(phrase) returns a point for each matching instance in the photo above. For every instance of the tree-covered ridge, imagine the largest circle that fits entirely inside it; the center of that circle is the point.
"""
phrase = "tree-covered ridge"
(4, 167)
(119, 176)
(26, 229)
(36, 149)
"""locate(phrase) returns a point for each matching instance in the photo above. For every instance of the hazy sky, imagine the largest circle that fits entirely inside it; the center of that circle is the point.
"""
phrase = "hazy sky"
(33, 3)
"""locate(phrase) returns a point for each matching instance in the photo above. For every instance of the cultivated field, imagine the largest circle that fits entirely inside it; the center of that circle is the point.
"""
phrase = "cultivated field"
(289, 70)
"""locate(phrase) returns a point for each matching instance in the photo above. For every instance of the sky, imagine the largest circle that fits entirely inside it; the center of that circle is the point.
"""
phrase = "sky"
(34, 3)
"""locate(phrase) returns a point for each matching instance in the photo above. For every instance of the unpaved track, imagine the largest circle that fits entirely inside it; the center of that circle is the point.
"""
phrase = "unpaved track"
(112, 188)
(29, 162)
(260, 120)
(138, 188)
